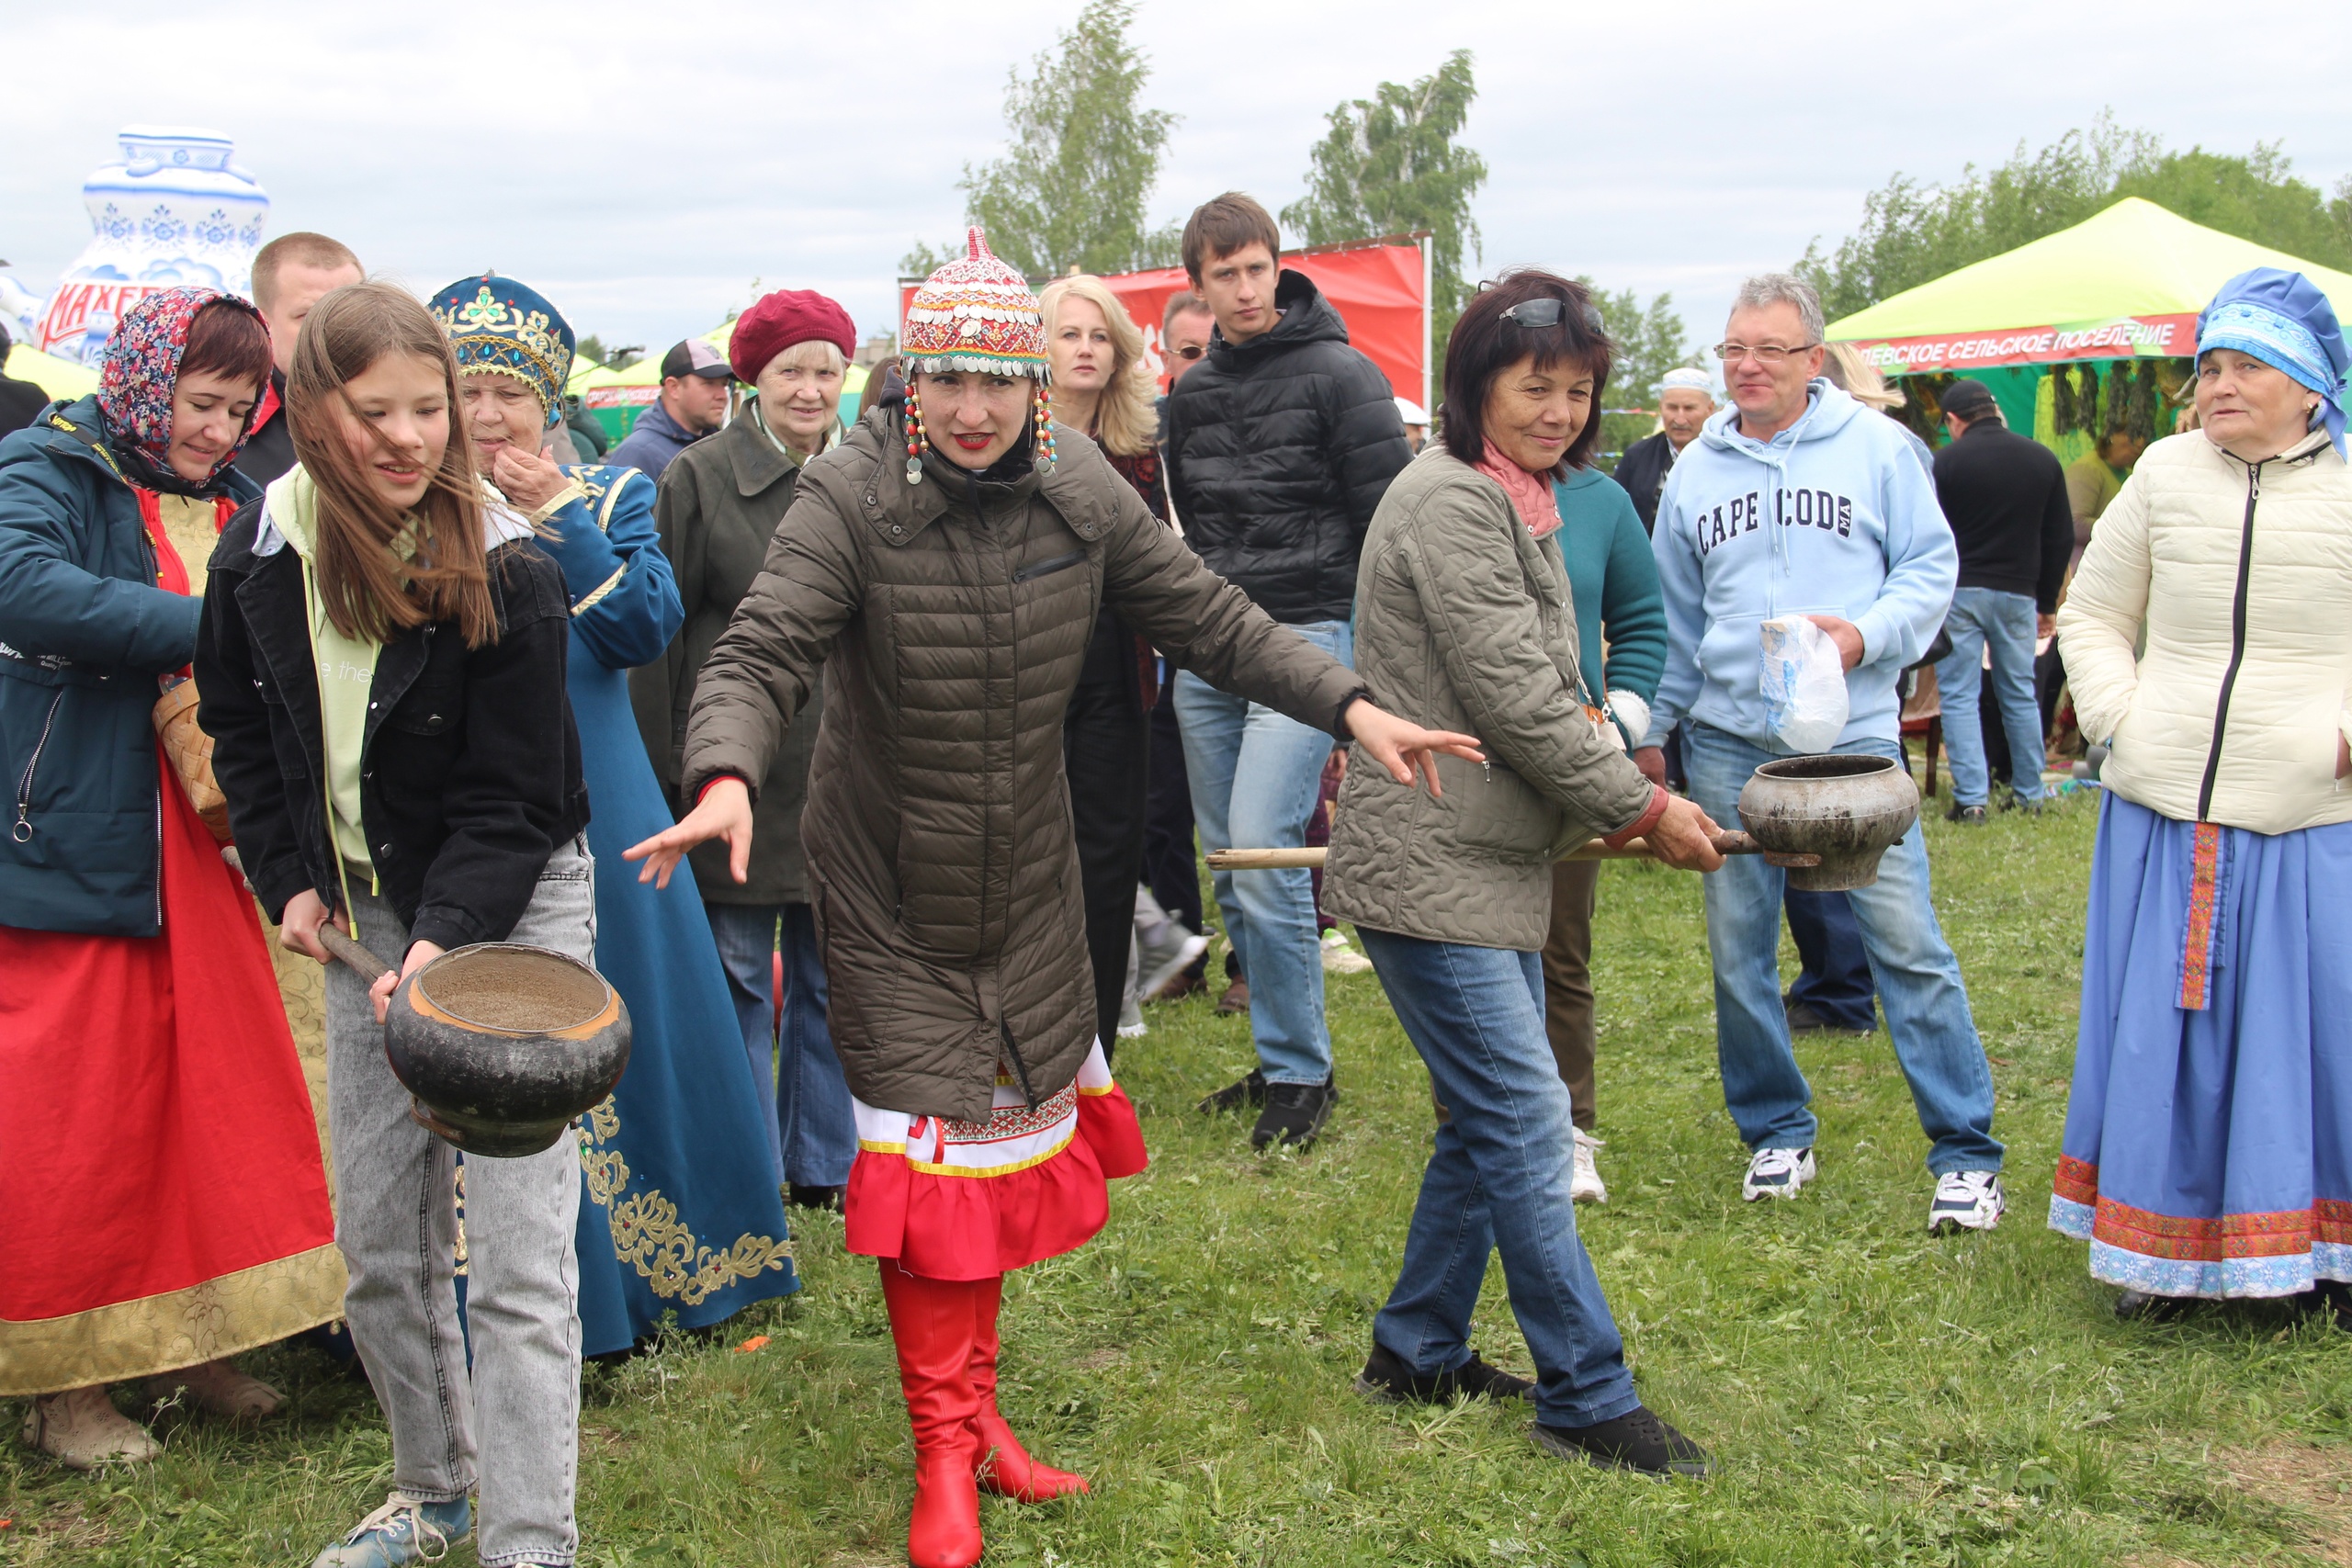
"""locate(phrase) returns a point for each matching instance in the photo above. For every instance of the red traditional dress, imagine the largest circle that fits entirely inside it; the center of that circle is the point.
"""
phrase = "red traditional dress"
(162, 1177)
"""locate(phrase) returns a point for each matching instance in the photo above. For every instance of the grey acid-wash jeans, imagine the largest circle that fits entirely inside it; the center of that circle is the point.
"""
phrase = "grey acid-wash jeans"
(512, 1424)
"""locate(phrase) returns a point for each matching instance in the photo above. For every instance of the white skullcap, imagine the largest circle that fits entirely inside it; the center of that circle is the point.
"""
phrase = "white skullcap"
(1411, 413)
(1684, 378)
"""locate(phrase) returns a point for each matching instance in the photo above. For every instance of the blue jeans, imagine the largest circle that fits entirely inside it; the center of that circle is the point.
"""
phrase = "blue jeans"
(1919, 981)
(1254, 775)
(1497, 1180)
(1982, 618)
(1836, 978)
(812, 1133)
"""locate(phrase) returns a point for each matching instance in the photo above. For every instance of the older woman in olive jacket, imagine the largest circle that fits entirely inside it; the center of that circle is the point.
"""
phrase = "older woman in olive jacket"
(720, 502)
(1464, 619)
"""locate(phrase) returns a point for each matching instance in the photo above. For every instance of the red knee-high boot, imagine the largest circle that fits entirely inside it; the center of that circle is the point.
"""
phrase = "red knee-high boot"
(933, 1323)
(1006, 1469)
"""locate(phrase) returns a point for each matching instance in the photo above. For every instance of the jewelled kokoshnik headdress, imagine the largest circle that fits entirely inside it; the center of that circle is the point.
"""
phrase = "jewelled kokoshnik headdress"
(975, 314)
(496, 323)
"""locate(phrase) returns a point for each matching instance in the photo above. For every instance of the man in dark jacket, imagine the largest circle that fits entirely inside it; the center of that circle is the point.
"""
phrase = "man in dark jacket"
(292, 274)
(694, 384)
(2005, 499)
(1281, 443)
(1685, 399)
(20, 401)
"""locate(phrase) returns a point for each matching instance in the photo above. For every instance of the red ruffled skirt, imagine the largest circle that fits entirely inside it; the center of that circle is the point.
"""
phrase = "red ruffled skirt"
(973, 1200)
(162, 1177)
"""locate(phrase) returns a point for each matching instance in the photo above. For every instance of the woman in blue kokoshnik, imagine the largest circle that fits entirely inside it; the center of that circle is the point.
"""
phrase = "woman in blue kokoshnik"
(2208, 637)
(684, 1215)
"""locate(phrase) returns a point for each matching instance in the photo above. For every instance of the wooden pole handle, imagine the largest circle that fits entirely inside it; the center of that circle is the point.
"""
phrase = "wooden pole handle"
(361, 962)
(1728, 844)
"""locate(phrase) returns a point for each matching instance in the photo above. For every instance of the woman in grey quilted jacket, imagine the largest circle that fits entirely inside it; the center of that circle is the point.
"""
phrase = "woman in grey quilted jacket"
(945, 569)
(1464, 619)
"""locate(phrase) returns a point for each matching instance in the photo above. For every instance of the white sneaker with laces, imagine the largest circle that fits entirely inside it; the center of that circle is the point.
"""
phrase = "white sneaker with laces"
(1777, 1173)
(1966, 1200)
(1586, 1185)
(1339, 958)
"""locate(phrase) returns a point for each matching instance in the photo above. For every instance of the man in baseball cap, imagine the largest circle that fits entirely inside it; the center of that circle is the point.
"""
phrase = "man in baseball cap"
(695, 386)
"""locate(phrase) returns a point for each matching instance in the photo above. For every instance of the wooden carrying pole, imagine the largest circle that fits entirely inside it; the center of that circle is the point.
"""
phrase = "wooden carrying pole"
(1593, 849)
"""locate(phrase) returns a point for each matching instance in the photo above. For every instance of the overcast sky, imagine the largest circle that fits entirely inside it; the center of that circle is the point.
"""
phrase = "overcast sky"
(643, 164)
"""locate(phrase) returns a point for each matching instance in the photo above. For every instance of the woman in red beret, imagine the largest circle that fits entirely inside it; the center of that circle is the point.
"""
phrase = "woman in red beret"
(719, 503)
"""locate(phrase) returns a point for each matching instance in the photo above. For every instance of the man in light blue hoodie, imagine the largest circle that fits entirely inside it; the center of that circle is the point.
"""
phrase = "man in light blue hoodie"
(1795, 500)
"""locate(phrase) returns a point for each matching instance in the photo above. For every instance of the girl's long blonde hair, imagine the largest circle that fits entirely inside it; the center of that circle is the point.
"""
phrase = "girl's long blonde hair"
(1124, 421)
(366, 590)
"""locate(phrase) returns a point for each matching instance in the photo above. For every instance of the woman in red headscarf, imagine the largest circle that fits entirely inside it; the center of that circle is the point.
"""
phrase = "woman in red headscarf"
(163, 1180)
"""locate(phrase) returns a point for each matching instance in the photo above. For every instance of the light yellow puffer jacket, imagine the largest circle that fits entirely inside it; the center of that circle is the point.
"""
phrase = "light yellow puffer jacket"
(2240, 576)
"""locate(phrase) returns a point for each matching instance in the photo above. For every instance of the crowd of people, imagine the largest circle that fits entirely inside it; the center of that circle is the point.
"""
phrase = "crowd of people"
(322, 611)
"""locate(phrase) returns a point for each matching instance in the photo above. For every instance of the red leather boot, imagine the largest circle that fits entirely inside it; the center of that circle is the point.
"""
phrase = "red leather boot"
(933, 1323)
(1006, 1469)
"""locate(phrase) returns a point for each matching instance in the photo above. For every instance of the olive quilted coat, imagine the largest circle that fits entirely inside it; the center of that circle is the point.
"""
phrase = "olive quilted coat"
(950, 618)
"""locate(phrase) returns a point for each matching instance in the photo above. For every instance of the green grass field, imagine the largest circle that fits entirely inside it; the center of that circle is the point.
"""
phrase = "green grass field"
(1871, 1395)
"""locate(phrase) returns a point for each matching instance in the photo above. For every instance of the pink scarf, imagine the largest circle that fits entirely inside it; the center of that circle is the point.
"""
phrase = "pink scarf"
(1531, 495)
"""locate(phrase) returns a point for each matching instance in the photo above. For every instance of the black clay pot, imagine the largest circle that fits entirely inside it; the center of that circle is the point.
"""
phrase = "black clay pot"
(502, 1045)
(1847, 809)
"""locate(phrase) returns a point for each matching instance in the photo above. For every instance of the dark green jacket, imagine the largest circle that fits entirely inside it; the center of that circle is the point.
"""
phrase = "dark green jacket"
(83, 633)
(719, 503)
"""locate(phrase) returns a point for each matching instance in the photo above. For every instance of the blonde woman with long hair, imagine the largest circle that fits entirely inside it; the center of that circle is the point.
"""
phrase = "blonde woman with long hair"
(1101, 388)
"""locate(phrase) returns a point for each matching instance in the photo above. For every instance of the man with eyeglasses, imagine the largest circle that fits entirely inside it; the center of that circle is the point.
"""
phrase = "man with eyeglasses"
(1797, 500)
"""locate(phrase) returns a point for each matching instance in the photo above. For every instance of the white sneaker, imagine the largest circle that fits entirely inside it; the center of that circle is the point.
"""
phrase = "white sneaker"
(1586, 1185)
(1969, 1200)
(1131, 1023)
(1338, 958)
(1162, 967)
(1777, 1173)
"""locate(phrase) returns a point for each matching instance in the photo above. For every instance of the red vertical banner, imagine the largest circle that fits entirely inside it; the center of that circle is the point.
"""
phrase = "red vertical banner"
(1380, 289)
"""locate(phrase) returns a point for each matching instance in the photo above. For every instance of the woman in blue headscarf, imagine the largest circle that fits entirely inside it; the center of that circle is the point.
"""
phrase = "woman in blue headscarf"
(682, 1213)
(2208, 636)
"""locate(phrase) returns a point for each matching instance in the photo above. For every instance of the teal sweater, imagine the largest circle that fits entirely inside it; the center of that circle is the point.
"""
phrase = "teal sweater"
(1612, 577)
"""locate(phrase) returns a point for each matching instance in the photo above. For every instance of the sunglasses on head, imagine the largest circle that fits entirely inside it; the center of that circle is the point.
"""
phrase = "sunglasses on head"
(1548, 312)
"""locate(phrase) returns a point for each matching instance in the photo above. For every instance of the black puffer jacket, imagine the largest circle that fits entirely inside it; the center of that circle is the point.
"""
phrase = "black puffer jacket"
(1279, 450)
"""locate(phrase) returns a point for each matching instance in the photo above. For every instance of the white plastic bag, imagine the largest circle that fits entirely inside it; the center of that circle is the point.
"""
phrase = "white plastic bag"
(1805, 684)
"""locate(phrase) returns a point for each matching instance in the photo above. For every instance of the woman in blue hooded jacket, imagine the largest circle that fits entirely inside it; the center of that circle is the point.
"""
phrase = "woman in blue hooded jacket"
(166, 1202)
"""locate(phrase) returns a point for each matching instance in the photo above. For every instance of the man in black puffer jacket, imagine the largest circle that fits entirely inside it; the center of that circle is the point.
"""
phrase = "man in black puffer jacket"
(1281, 443)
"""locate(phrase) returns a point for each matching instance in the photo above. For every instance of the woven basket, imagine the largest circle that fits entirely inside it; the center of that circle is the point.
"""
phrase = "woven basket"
(189, 751)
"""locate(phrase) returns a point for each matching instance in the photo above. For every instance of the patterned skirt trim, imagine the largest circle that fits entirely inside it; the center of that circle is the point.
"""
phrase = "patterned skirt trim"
(973, 1200)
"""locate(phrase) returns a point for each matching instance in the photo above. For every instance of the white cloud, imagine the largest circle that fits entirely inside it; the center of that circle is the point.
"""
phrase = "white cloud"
(644, 163)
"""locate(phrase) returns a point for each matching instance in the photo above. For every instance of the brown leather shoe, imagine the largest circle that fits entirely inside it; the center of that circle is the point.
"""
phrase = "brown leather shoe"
(1235, 997)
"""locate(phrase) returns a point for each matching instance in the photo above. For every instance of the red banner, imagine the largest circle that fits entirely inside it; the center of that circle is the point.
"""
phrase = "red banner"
(2118, 337)
(1380, 289)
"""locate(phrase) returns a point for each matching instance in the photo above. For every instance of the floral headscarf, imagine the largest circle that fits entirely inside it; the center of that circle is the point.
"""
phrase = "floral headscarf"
(141, 371)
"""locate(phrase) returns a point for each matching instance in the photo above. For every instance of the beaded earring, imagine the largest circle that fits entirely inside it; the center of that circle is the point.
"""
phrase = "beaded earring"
(1044, 427)
(915, 437)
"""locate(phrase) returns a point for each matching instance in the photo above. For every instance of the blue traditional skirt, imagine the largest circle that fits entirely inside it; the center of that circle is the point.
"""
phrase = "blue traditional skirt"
(681, 1215)
(2208, 1137)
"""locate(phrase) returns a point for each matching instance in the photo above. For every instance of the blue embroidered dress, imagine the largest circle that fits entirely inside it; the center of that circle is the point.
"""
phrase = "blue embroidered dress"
(683, 1215)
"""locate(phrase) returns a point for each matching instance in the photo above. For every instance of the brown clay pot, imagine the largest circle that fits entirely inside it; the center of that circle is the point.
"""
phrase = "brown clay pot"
(1847, 809)
(502, 1045)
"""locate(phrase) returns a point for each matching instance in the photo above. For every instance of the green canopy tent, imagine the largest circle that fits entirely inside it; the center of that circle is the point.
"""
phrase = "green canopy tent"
(2122, 289)
(617, 397)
